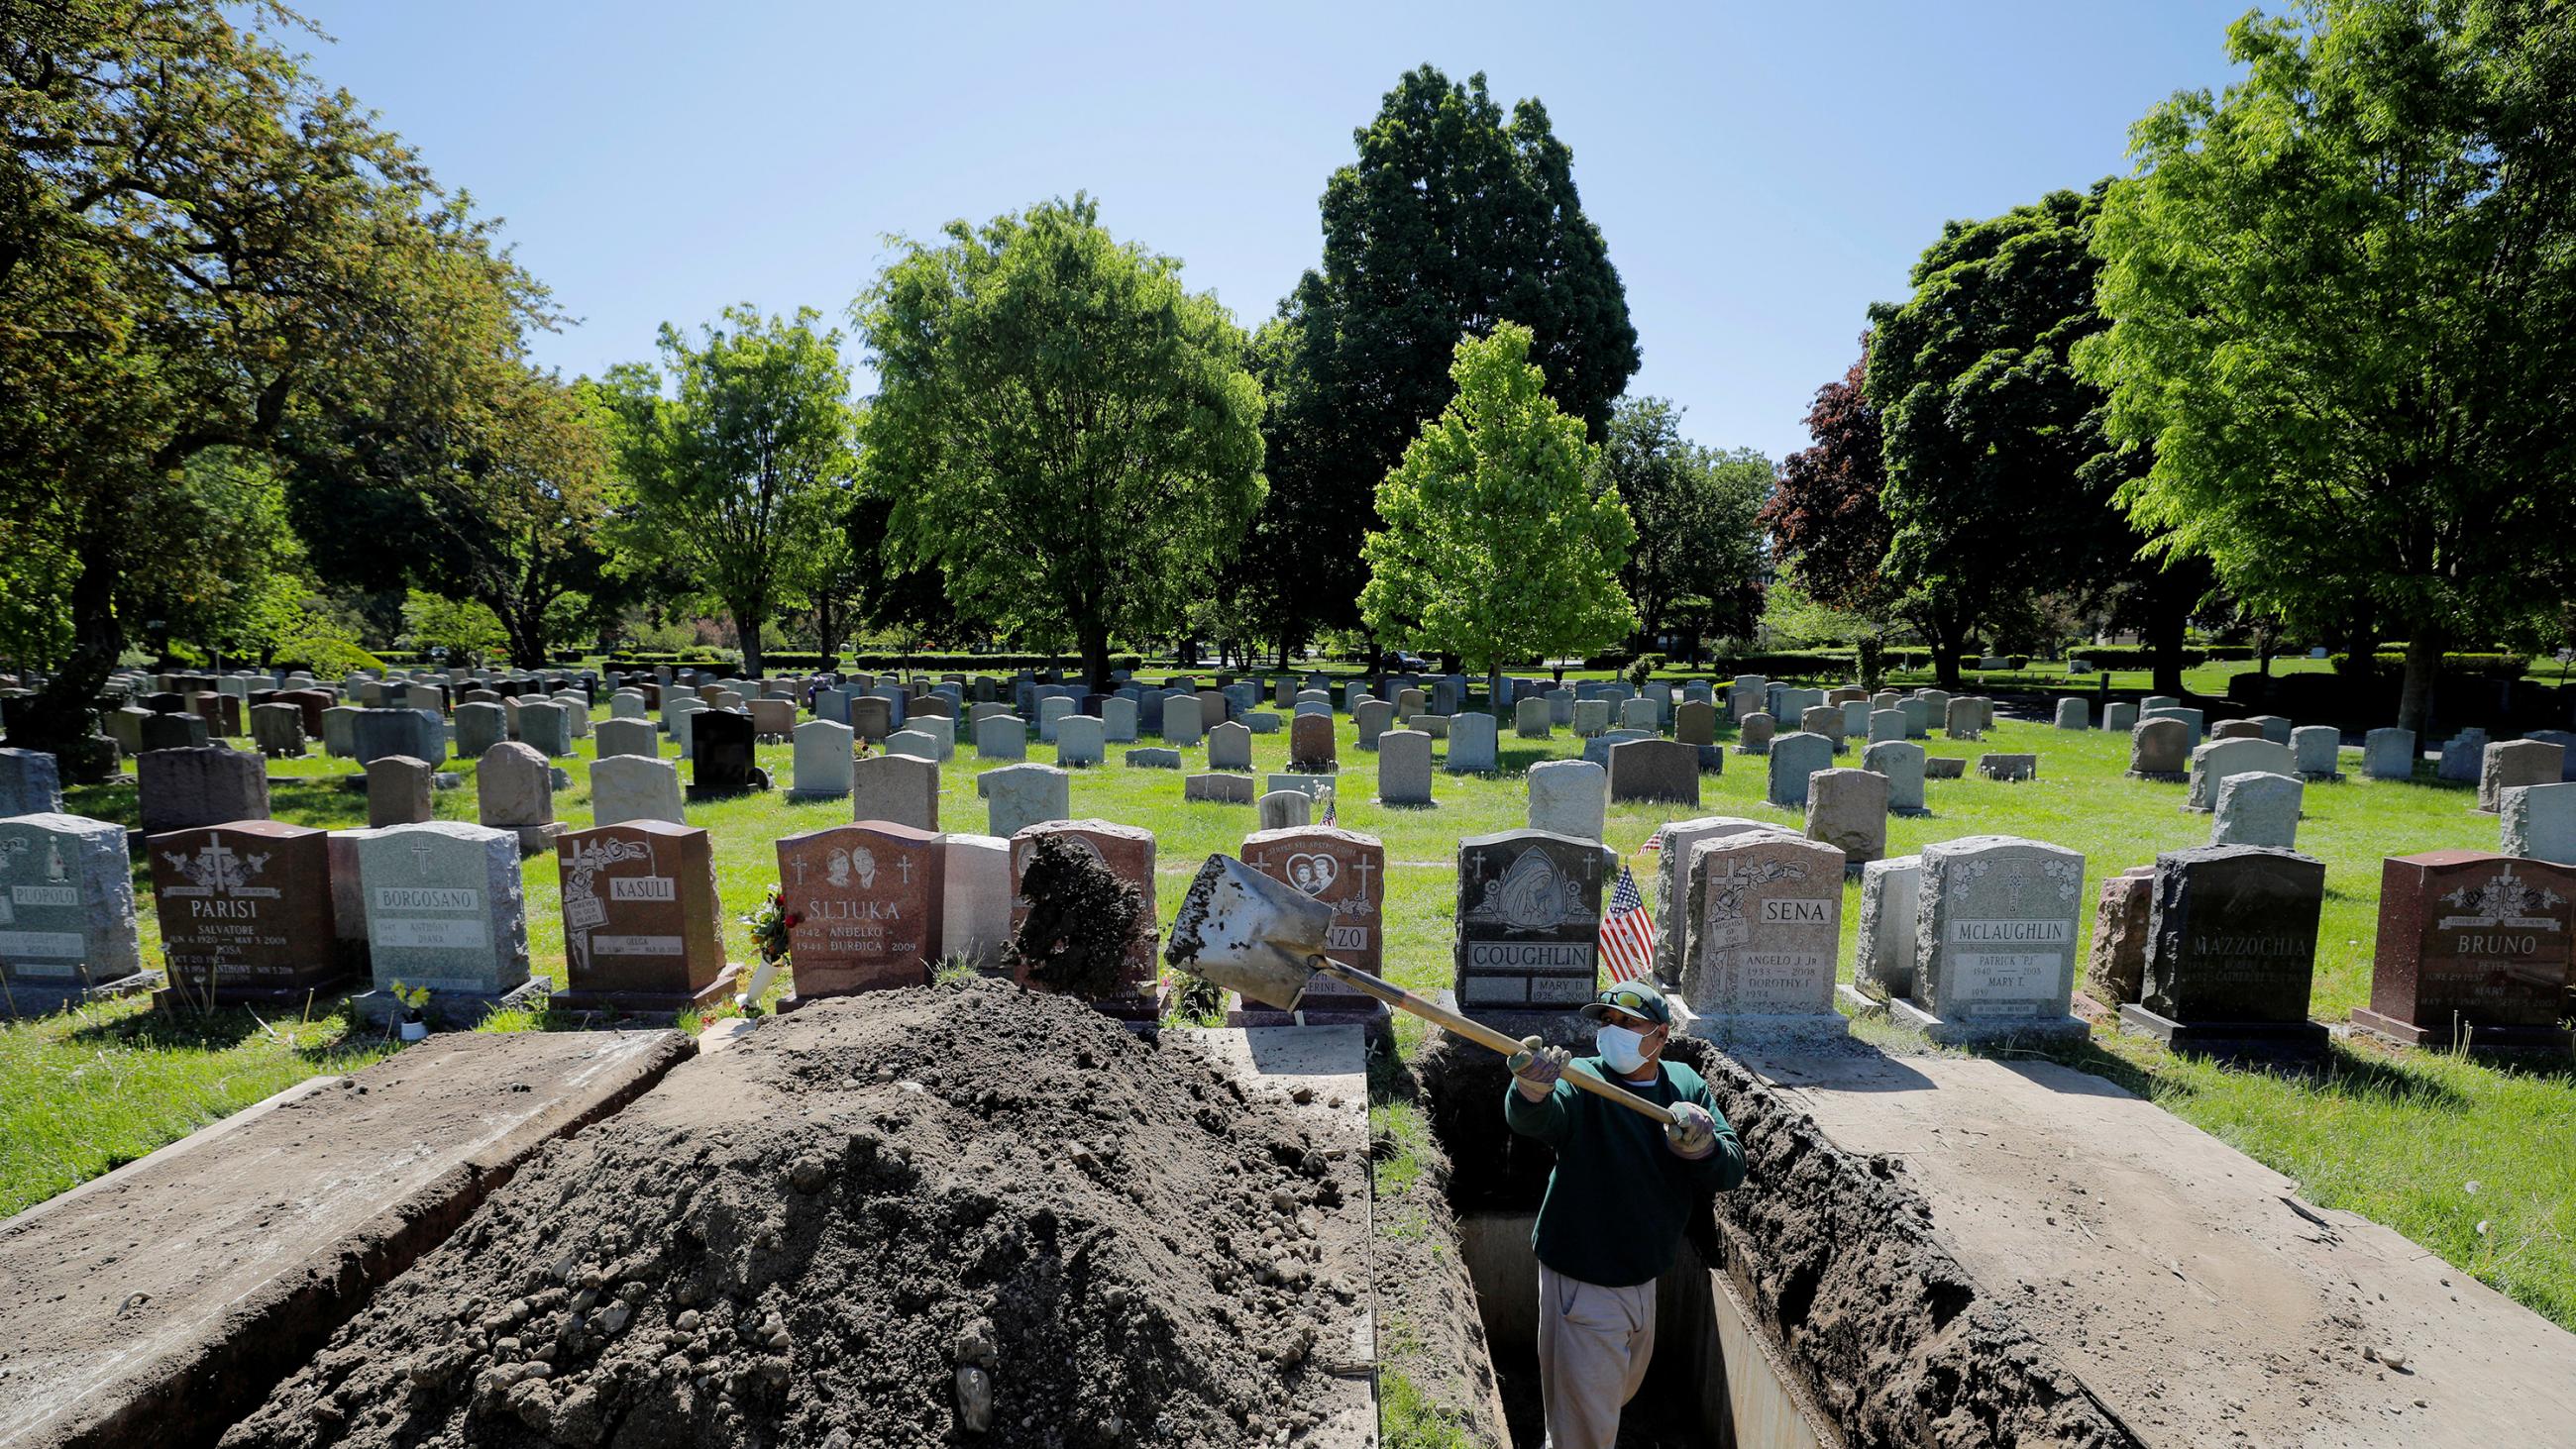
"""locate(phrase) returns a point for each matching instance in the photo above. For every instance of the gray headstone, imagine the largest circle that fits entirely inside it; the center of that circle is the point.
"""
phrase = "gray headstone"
(1118, 720)
(2119, 717)
(1082, 740)
(70, 893)
(1286, 809)
(2539, 821)
(1153, 757)
(1528, 925)
(2317, 749)
(1229, 745)
(2074, 714)
(414, 732)
(634, 787)
(1472, 746)
(1591, 717)
(2388, 754)
(29, 783)
(1182, 717)
(478, 728)
(207, 785)
(1764, 947)
(823, 759)
(1404, 768)
(1753, 733)
(1795, 756)
(2215, 761)
(1569, 797)
(2257, 808)
(1530, 721)
(896, 788)
(444, 907)
(626, 736)
(1018, 796)
(2512, 764)
(1656, 770)
(1001, 737)
(1885, 952)
(1847, 809)
(1901, 761)
(1217, 788)
(1373, 718)
(1050, 710)
(1995, 931)
(400, 791)
(2008, 766)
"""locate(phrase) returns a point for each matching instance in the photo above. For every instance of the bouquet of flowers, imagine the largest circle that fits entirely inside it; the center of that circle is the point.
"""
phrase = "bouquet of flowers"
(769, 927)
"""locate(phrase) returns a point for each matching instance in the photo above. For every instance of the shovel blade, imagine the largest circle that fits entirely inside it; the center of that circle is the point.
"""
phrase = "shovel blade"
(1248, 933)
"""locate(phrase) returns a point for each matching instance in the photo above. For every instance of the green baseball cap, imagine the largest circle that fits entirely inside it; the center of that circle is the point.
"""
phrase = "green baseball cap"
(1637, 998)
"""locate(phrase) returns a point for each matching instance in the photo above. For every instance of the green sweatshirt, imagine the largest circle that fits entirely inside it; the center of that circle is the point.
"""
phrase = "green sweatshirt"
(1619, 1196)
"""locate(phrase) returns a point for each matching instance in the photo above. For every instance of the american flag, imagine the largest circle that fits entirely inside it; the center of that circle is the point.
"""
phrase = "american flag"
(1328, 807)
(1653, 842)
(1628, 932)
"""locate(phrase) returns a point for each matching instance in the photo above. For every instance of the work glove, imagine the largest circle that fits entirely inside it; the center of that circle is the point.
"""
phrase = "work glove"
(1692, 1133)
(1536, 1066)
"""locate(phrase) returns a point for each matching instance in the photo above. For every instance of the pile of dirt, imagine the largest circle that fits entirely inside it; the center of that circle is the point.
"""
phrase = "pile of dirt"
(1081, 921)
(855, 1228)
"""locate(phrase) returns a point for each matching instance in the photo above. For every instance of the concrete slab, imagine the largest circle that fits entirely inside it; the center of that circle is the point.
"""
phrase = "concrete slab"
(1323, 1072)
(160, 1302)
(2199, 1299)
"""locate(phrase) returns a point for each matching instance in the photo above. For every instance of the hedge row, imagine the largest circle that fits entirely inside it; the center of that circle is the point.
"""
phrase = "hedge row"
(874, 662)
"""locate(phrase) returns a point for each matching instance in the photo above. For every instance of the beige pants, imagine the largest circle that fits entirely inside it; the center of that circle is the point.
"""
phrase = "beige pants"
(1593, 1347)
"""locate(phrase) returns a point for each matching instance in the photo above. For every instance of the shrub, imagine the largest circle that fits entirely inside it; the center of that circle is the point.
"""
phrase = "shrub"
(324, 656)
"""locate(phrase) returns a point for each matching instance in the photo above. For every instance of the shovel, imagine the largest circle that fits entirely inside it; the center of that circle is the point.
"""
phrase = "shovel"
(1265, 939)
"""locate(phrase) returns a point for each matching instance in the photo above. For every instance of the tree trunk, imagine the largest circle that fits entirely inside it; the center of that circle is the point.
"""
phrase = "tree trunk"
(747, 614)
(2167, 618)
(1945, 652)
(61, 718)
(1095, 655)
(2423, 666)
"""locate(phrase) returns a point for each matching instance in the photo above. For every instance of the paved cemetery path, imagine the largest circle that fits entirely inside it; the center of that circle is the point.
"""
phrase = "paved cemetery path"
(2192, 1290)
(155, 1304)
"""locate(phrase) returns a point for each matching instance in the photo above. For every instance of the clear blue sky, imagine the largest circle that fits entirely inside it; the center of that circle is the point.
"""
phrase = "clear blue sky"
(1762, 171)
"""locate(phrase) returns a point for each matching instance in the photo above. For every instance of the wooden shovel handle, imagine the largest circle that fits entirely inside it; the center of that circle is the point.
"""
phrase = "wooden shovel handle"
(1481, 1034)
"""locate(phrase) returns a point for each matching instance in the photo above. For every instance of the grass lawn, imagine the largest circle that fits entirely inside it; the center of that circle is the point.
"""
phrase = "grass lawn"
(2399, 1136)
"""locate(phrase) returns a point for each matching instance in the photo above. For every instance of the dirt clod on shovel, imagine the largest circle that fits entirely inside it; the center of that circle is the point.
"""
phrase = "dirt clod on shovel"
(1081, 921)
(955, 1215)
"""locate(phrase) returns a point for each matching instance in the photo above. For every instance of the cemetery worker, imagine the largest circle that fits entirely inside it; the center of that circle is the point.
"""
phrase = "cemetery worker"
(1616, 1203)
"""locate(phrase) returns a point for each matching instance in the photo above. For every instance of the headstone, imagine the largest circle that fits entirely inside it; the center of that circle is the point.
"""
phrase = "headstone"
(1591, 717)
(2463, 756)
(1640, 714)
(1019, 796)
(1118, 720)
(1884, 964)
(626, 737)
(2115, 972)
(277, 730)
(2235, 729)
(683, 709)
(514, 791)
(1944, 767)
(29, 784)
(417, 733)
(1080, 740)
(2212, 763)
(870, 898)
(2315, 749)
(2256, 808)
(773, 721)
(1182, 714)
(207, 785)
(2388, 754)
(1530, 720)
(1472, 745)
(2074, 714)
(1763, 951)
(823, 760)
(1528, 923)
(2539, 822)
(720, 742)
(1001, 737)
(2160, 749)
(1372, 719)
(2473, 951)
(1965, 719)
(1229, 745)
(1665, 771)
(1050, 710)
(1570, 797)
(2565, 740)
(445, 911)
(2191, 719)
(2511, 764)
(1284, 809)
(69, 930)
(174, 732)
(1995, 932)
(1597, 749)
(1794, 757)
(1560, 707)
(399, 791)
(1901, 762)
(2231, 952)
(1695, 722)
(633, 787)
(1885, 725)
(1346, 871)
(1128, 853)
(1310, 746)
(1404, 768)
(898, 789)
(1847, 809)
(1218, 787)
(975, 924)
(2119, 717)
(2158, 701)
(1753, 733)
(546, 727)
(640, 919)
(2274, 727)
(2008, 767)
(1153, 757)
(1825, 720)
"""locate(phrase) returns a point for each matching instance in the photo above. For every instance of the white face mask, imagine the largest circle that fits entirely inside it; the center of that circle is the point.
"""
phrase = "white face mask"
(1623, 1050)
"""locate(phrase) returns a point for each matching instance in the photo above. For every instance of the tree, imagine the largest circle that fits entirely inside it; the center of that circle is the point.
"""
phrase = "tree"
(1498, 545)
(1060, 426)
(197, 243)
(735, 470)
(2339, 297)
(1451, 219)
(1999, 478)
(1827, 519)
(1697, 562)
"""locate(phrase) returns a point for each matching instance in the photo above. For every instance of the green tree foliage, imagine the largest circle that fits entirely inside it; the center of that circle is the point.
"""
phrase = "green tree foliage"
(201, 248)
(1503, 540)
(1452, 218)
(1999, 479)
(1696, 567)
(1066, 432)
(2340, 296)
(738, 468)
(460, 631)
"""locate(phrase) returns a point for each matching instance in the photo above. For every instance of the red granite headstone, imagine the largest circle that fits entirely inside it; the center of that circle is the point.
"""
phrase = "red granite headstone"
(2472, 944)
(1347, 871)
(246, 908)
(868, 899)
(640, 918)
